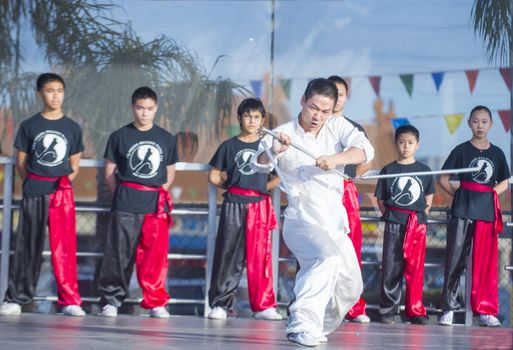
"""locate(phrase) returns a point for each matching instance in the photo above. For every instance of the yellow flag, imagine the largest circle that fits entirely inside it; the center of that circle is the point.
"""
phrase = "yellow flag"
(453, 121)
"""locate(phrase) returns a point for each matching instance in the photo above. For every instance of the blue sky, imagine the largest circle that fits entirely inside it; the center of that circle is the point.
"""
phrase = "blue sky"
(350, 38)
(356, 38)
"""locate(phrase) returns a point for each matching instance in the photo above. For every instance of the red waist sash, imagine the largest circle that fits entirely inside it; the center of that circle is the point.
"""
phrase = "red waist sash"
(474, 186)
(411, 229)
(164, 196)
(64, 184)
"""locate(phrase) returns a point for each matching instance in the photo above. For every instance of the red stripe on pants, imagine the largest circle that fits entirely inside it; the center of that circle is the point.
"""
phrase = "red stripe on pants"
(151, 257)
(414, 254)
(260, 221)
(62, 235)
(350, 202)
(485, 277)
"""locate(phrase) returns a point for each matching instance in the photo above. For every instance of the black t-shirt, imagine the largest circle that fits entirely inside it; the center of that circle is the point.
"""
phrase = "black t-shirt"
(493, 169)
(141, 157)
(405, 192)
(350, 169)
(49, 144)
(234, 156)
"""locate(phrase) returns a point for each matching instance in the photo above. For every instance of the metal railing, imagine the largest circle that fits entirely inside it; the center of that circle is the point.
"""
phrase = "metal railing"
(211, 212)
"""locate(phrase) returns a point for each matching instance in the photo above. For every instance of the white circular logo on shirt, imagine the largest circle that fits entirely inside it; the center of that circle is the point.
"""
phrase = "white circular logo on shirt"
(485, 172)
(144, 159)
(406, 190)
(50, 148)
(242, 159)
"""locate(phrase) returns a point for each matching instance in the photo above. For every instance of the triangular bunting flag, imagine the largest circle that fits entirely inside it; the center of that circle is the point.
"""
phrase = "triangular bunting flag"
(257, 87)
(375, 82)
(453, 122)
(505, 115)
(506, 76)
(397, 122)
(348, 81)
(472, 78)
(407, 80)
(438, 77)
(285, 85)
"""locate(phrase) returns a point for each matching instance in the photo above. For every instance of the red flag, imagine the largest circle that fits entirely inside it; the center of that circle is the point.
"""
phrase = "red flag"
(472, 77)
(505, 115)
(506, 76)
(375, 82)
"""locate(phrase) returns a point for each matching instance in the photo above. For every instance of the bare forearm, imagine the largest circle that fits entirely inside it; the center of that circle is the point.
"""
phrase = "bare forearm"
(352, 155)
(444, 182)
(111, 183)
(215, 178)
(382, 207)
(74, 162)
(363, 168)
(429, 202)
(171, 173)
(501, 186)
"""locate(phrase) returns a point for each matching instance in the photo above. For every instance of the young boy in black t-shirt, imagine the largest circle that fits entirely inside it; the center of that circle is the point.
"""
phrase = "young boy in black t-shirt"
(475, 216)
(139, 168)
(246, 221)
(49, 146)
(404, 202)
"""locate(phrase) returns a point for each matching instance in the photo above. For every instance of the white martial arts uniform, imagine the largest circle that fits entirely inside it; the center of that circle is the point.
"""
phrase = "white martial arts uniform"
(329, 281)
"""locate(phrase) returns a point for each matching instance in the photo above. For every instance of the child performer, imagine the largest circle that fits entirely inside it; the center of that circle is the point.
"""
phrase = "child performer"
(350, 197)
(49, 147)
(246, 221)
(404, 202)
(475, 216)
(140, 162)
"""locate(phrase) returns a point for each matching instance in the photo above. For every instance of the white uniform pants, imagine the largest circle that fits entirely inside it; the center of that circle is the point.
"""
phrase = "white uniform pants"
(329, 281)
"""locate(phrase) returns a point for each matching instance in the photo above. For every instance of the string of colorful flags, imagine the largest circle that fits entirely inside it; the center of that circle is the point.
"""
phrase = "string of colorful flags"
(406, 79)
(454, 120)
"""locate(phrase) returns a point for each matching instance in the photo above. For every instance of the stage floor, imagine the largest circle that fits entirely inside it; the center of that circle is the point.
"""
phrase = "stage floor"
(42, 331)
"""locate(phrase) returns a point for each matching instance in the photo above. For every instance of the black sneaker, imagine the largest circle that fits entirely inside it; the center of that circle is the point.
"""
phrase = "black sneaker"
(387, 319)
(422, 320)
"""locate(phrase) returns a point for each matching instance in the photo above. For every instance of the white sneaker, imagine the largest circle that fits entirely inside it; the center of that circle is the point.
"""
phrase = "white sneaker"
(360, 319)
(323, 339)
(489, 321)
(269, 314)
(303, 338)
(218, 313)
(446, 319)
(10, 309)
(73, 310)
(109, 311)
(159, 312)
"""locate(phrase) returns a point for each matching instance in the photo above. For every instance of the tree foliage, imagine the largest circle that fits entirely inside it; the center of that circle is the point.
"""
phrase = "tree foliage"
(103, 61)
(493, 21)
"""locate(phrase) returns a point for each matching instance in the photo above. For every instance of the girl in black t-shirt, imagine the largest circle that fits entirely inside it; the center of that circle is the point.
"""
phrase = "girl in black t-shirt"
(404, 202)
(475, 215)
(245, 223)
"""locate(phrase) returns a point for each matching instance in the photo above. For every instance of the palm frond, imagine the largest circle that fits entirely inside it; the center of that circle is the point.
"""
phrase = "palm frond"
(493, 21)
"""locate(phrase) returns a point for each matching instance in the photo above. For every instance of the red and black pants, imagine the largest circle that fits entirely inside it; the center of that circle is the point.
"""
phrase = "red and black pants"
(57, 210)
(404, 250)
(244, 240)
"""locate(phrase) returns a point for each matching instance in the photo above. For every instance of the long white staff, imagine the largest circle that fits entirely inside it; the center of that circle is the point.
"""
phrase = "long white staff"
(286, 187)
(418, 173)
(301, 149)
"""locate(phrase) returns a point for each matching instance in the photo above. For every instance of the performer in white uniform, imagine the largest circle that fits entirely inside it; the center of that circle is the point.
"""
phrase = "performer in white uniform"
(329, 281)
